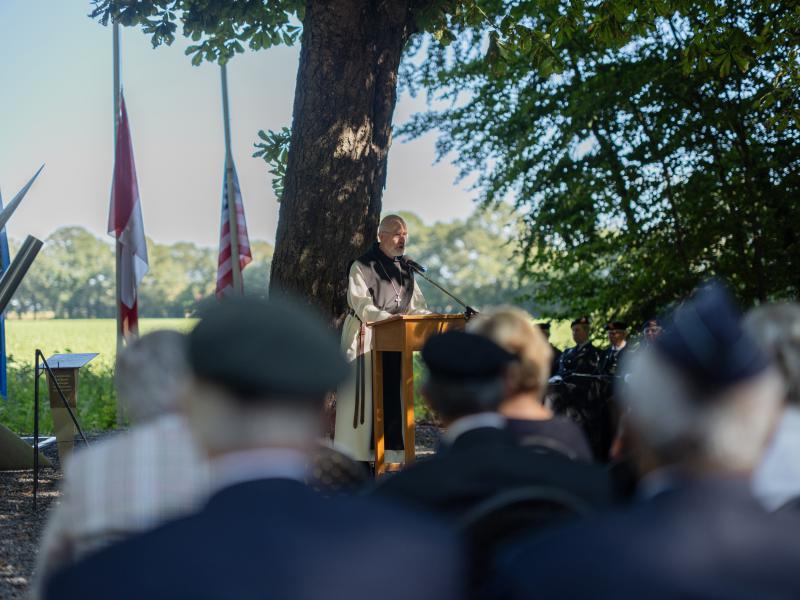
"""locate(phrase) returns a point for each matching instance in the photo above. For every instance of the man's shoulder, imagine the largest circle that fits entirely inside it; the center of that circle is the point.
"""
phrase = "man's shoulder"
(665, 543)
(492, 468)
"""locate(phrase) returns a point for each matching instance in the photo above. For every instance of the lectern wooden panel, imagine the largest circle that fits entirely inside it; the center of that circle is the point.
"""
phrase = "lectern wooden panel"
(405, 334)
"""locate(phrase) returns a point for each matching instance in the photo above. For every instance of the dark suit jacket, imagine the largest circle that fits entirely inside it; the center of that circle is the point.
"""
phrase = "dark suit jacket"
(275, 539)
(482, 462)
(708, 539)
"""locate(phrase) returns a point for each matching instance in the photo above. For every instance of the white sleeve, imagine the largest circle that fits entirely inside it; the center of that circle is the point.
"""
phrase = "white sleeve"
(418, 305)
(359, 298)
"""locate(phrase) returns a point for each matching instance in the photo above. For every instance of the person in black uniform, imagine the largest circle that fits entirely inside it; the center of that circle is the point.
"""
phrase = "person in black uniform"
(608, 370)
(583, 357)
(610, 357)
(545, 328)
(575, 393)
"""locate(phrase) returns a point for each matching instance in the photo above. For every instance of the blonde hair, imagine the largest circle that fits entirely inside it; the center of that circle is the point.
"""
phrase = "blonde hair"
(512, 328)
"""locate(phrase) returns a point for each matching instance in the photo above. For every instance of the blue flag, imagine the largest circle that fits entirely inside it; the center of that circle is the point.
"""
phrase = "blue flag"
(5, 260)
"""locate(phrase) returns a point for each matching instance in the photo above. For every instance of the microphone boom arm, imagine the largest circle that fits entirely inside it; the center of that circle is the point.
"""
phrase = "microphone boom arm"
(467, 309)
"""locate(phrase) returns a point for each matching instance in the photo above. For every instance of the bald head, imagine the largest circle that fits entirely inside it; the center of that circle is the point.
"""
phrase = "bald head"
(392, 235)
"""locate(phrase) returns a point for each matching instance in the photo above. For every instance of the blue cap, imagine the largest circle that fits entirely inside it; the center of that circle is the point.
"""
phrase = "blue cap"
(704, 339)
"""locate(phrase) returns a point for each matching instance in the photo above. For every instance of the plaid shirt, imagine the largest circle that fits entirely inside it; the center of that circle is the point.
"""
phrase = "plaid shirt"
(124, 485)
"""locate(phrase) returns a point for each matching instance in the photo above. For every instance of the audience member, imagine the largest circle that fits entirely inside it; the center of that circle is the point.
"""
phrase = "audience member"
(702, 402)
(652, 330)
(526, 416)
(777, 479)
(611, 356)
(137, 479)
(582, 358)
(545, 329)
(478, 456)
(261, 371)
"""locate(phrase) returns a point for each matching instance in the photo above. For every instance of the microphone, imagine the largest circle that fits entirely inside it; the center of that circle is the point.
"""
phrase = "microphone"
(413, 265)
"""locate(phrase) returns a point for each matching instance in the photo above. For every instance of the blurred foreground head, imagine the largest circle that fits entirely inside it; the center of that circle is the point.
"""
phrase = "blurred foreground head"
(466, 374)
(151, 375)
(511, 328)
(261, 371)
(703, 395)
(777, 328)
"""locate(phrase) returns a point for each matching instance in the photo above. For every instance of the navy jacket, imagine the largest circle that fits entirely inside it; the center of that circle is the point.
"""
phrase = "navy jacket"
(707, 539)
(484, 461)
(275, 539)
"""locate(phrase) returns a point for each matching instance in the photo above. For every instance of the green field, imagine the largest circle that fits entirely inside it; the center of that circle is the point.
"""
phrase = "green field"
(96, 400)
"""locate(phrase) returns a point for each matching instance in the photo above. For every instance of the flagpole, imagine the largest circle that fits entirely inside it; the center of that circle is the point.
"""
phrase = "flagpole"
(233, 220)
(117, 244)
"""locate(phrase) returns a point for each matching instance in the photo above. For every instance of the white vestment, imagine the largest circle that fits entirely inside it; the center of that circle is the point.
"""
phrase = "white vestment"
(355, 441)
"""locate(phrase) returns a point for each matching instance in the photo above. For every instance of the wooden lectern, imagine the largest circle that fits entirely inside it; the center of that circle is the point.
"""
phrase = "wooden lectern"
(405, 334)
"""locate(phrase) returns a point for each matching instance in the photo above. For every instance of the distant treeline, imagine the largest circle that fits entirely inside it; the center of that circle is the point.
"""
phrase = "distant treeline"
(73, 276)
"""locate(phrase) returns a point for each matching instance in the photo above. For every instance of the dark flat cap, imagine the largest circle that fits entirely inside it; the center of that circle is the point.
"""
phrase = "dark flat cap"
(616, 325)
(704, 340)
(461, 355)
(258, 348)
(580, 321)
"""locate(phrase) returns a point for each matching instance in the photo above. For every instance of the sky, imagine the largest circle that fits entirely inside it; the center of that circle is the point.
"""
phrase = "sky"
(56, 108)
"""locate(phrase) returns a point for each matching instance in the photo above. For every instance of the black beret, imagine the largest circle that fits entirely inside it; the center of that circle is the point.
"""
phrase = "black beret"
(704, 339)
(613, 325)
(257, 348)
(544, 326)
(461, 355)
(580, 321)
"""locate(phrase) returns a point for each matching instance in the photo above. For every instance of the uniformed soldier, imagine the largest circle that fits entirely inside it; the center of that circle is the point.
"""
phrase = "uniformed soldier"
(610, 357)
(583, 358)
(545, 328)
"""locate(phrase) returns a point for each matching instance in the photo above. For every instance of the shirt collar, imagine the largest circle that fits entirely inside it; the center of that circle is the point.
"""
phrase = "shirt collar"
(263, 463)
(477, 421)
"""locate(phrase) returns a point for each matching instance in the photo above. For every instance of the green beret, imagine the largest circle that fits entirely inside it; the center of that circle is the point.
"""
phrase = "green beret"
(262, 349)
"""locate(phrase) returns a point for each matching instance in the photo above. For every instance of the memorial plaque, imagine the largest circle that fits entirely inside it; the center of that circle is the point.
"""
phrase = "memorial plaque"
(64, 368)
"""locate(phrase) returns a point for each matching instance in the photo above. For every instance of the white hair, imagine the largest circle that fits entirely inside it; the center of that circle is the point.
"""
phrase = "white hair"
(151, 374)
(776, 327)
(680, 423)
(221, 423)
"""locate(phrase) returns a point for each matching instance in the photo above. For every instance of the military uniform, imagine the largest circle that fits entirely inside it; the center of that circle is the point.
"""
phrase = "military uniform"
(610, 360)
(556, 359)
(577, 398)
(581, 360)
(545, 327)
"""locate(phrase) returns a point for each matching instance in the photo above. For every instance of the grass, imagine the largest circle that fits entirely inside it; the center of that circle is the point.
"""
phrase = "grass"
(96, 397)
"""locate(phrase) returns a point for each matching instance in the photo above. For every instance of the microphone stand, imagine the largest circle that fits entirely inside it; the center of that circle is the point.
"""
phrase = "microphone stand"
(420, 270)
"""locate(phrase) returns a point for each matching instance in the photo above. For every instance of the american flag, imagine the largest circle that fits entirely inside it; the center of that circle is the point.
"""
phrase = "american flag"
(224, 271)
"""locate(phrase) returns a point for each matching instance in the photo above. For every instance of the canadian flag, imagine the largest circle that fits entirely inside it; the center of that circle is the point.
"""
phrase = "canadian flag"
(125, 224)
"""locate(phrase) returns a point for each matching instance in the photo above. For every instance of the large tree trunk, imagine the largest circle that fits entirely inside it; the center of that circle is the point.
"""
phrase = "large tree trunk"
(341, 133)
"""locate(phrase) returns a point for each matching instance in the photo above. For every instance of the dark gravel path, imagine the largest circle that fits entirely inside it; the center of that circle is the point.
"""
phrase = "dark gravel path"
(21, 526)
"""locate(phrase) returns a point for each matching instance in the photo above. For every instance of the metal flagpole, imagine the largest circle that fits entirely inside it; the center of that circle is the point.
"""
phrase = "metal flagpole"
(117, 244)
(233, 221)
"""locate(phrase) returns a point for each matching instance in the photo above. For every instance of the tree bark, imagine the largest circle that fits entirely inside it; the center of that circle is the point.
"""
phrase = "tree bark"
(341, 133)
